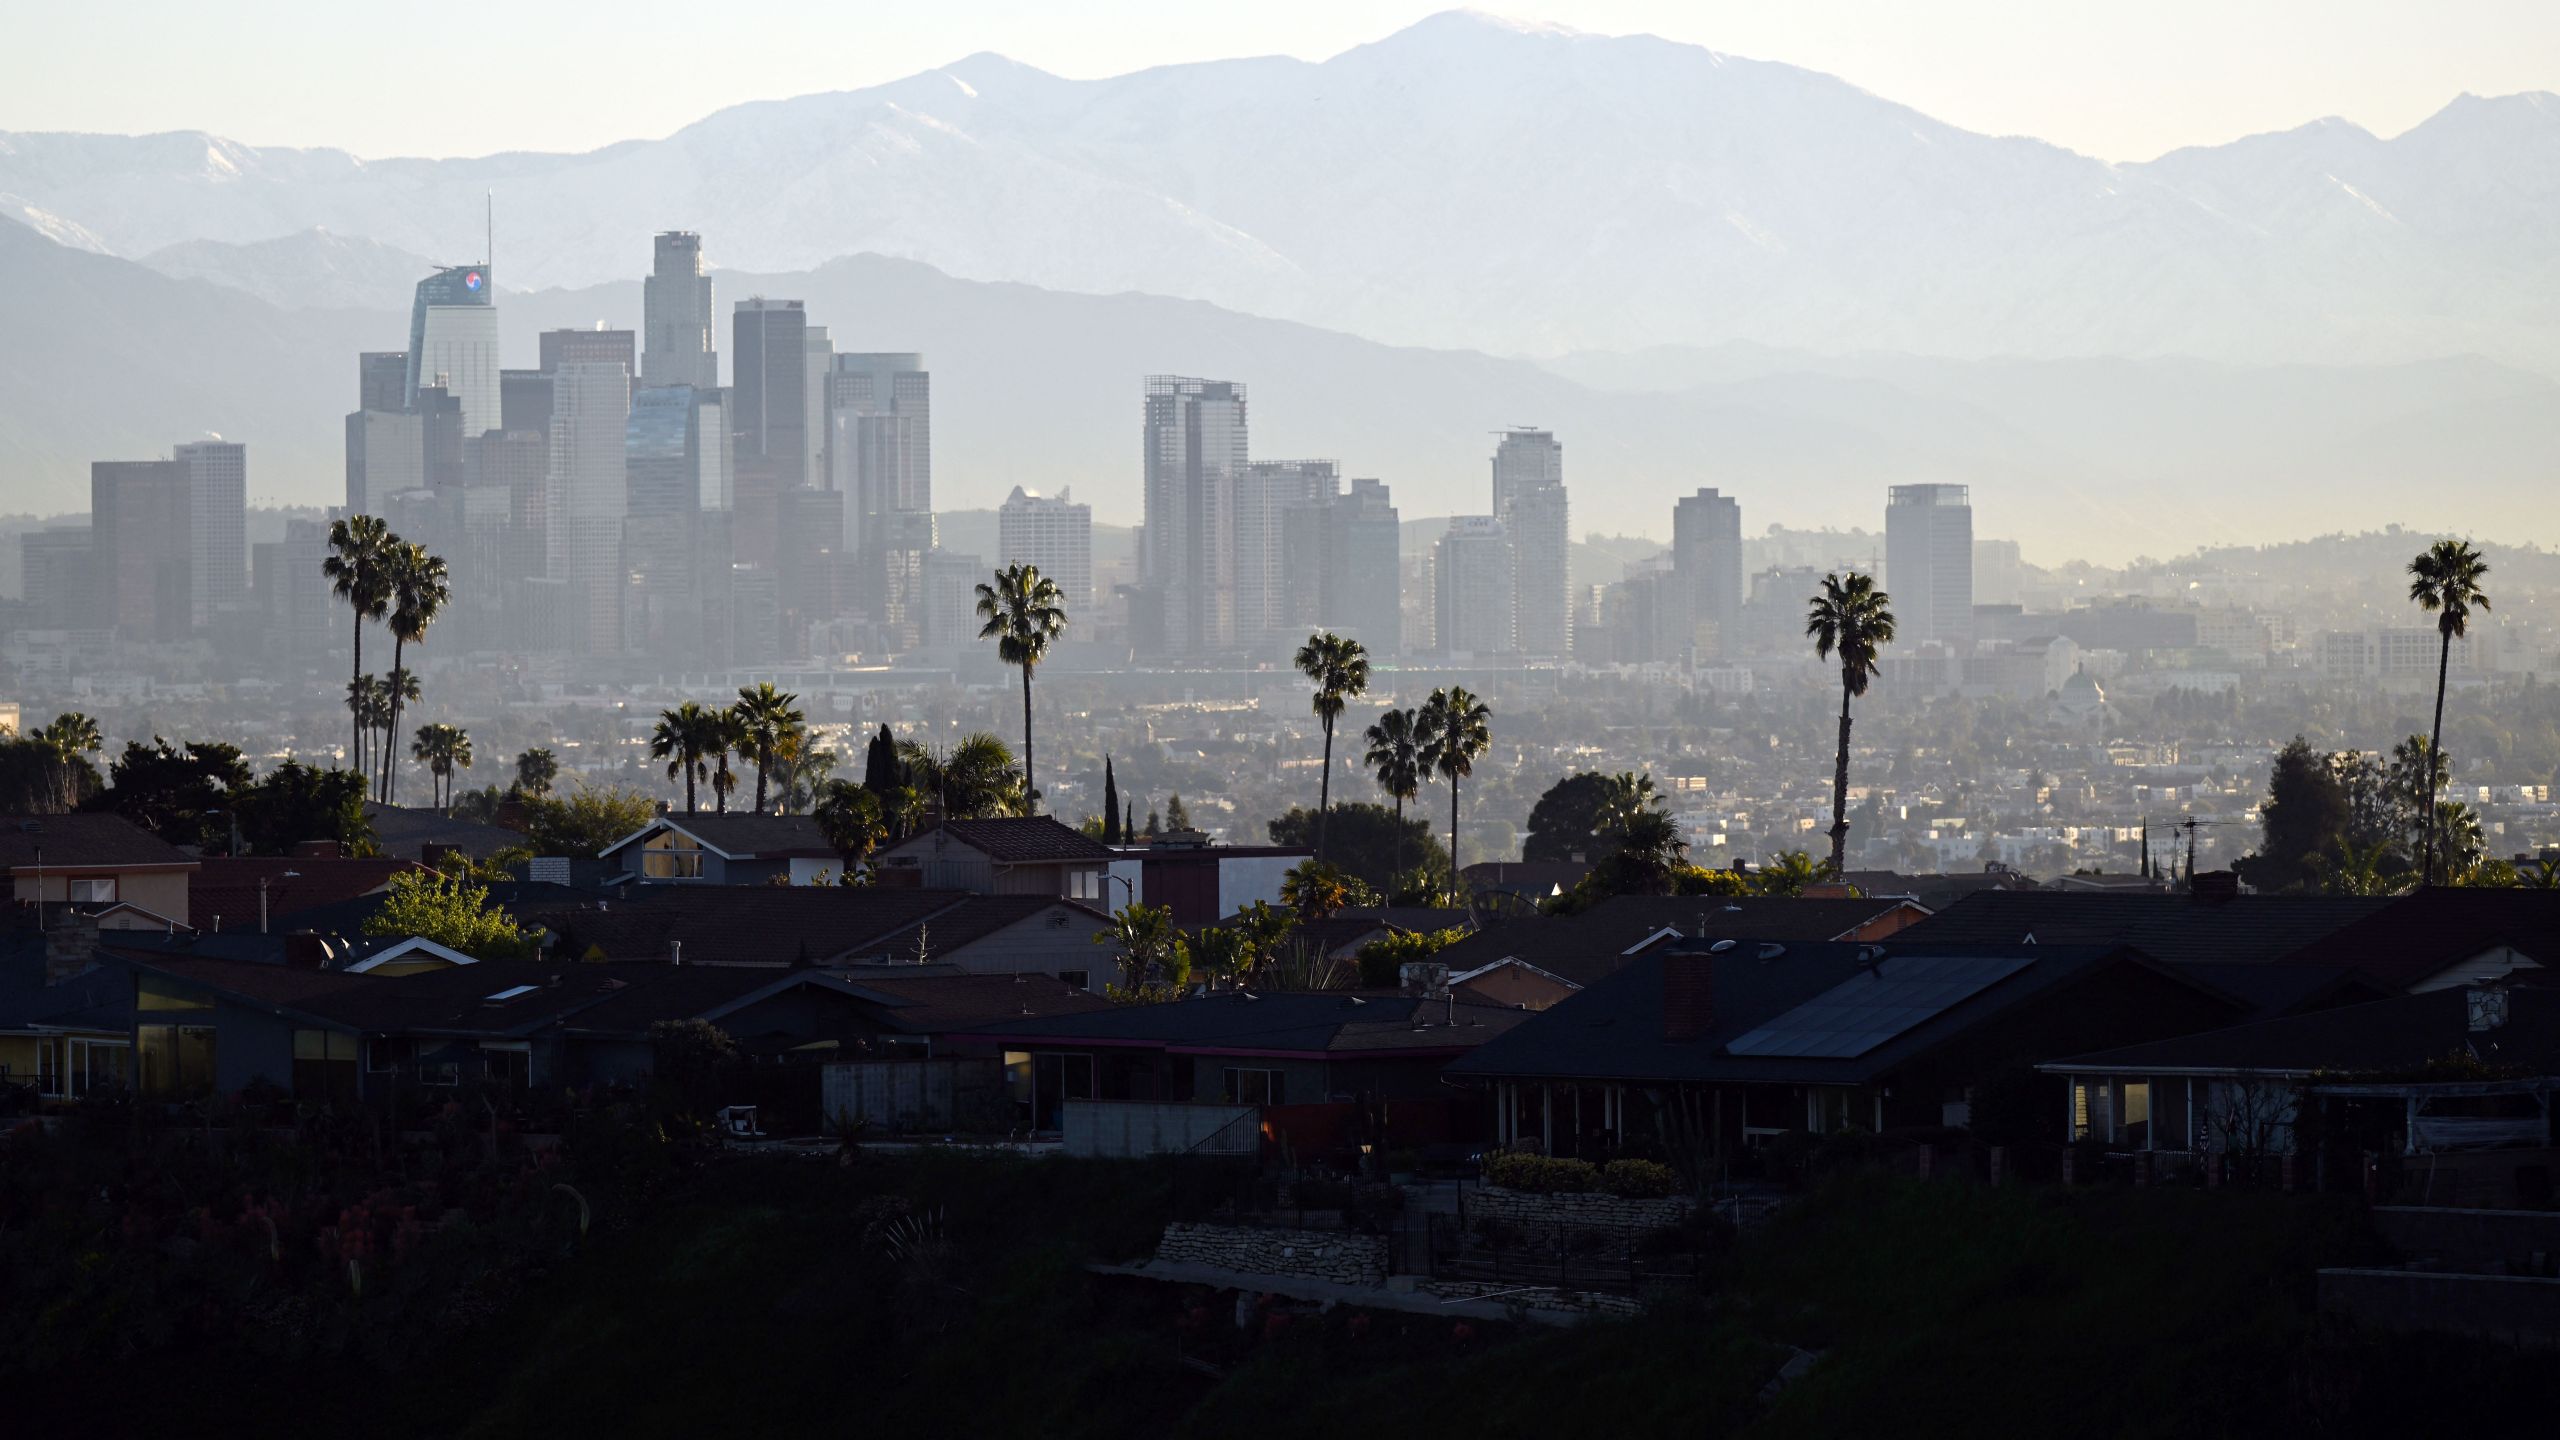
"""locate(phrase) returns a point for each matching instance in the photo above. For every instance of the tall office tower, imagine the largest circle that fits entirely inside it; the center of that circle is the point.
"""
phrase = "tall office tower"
(1342, 560)
(769, 363)
(1928, 564)
(217, 527)
(755, 615)
(382, 380)
(894, 560)
(442, 435)
(1475, 586)
(139, 549)
(1266, 491)
(659, 453)
(517, 464)
(54, 576)
(585, 491)
(821, 354)
(814, 581)
(453, 341)
(879, 452)
(598, 346)
(1053, 533)
(524, 401)
(950, 584)
(1195, 445)
(675, 307)
(1529, 500)
(386, 454)
(301, 613)
(1706, 556)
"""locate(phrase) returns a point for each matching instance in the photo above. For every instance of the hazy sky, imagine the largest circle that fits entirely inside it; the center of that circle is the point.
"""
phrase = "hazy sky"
(2124, 81)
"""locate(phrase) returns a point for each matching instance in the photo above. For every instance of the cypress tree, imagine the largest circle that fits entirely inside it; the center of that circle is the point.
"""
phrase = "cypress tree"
(880, 764)
(1110, 804)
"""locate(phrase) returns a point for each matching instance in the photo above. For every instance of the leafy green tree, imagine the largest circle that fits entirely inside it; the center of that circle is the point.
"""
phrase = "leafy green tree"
(1339, 670)
(1025, 613)
(1788, 873)
(38, 777)
(975, 781)
(1848, 618)
(359, 573)
(727, 736)
(1371, 843)
(1647, 853)
(2364, 869)
(1152, 953)
(1110, 829)
(298, 802)
(1264, 930)
(536, 772)
(765, 718)
(182, 794)
(2304, 818)
(1175, 817)
(1454, 731)
(800, 765)
(1382, 961)
(585, 819)
(694, 1062)
(1315, 890)
(453, 912)
(2459, 842)
(852, 820)
(397, 689)
(2444, 581)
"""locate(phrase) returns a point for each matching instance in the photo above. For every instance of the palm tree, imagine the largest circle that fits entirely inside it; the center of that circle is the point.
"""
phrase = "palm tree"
(397, 688)
(358, 545)
(724, 734)
(1149, 944)
(2457, 841)
(442, 749)
(1394, 756)
(683, 735)
(1787, 873)
(765, 716)
(419, 590)
(1453, 729)
(1025, 613)
(1849, 619)
(851, 818)
(72, 734)
(537, 771)
(1339, 669)
(2445, 580)
(802, 767)
(2364, 869)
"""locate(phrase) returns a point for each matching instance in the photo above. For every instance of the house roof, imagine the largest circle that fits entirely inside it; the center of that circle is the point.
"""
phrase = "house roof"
(1534, 878)
(99, 999)
(70, 842)
(1587, 947)
(223, 893)
(405, 833)
(2399, 1033)
(939, 1004)
(2412, 937)
(1935, 891)
(1015, 840)
(2181, 929)
(1301, 1023)
(743, 836)
(278, 987)
(1779, 1004)
(780, 925)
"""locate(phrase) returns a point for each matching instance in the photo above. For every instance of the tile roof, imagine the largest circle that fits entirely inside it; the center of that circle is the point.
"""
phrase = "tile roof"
(1322, 1022)
(2400, 1033)
(2412, 937)
(2176, 928)
(742, 836)
(1021, 840)
(82, 840)
(223, 893)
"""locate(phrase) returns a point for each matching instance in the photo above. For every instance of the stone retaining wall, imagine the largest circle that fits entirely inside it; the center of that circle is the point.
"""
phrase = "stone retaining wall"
(1531, 1297)
(1344, 1259)
(1544, 1218)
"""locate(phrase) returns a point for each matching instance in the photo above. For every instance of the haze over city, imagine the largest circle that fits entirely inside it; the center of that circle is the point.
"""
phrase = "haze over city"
(1675, 718)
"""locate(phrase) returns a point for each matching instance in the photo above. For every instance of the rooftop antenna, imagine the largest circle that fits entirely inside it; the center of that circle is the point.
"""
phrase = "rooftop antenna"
(489, 236)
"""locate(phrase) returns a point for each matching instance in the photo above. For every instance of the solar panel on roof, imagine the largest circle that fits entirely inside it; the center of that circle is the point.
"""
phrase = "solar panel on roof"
(1865, 1011)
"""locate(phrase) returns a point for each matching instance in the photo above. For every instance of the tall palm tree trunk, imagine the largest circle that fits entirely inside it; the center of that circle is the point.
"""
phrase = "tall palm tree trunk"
(355, 713)
(2435, 757)
(1324, 790)
(1840, 793)
(1030, 785)
(1455, 885)
(692, 762)
(391, 722)
(762, 757)
(1391, 879)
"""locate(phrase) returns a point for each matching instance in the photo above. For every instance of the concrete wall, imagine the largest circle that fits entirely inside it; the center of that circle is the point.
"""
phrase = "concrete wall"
(1545, 1217)
(1125, 1128)
(1332, 1255)
(1246, 878)
(2468, 1239)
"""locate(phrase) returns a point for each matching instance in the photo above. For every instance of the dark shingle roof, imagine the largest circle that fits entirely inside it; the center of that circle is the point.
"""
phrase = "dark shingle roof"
(1586, 947)
(1279, 1023)
(2400, 1033)
(405, 833)
(76, 840)
(940, 1004)
(1021, 841)
(2411, 937)
(779, 924)
(223, 893)
(745, 836)
(2176, 928)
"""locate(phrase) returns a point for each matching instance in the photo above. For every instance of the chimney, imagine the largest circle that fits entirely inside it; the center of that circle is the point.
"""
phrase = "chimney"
(70, 946)
(1688, 996)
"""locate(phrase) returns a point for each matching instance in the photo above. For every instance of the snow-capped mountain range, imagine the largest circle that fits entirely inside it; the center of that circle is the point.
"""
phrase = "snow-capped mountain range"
(1467, 182)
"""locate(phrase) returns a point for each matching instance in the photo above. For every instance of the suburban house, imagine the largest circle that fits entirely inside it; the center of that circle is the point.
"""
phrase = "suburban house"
(703, 848)
(65, 1029)
(2451, 1085)
(1725, 1043)
(1528, 882)
(1243, 1047)
(1202, 882)
(100, 861)
(1032, 855)
(404, 833)
(831, 925)
(1535, 962)
(2242, 929)
(266, 892)
(2446, 938)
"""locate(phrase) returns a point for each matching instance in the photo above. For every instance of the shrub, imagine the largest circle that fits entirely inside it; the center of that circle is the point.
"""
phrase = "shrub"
(1638, 1179)
(1540, 1174)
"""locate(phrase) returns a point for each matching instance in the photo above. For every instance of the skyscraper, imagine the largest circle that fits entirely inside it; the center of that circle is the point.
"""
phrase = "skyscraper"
(676, 315)
(386, 454)
(597, 346)
(586, 497)
(453, 334)
(1053, 533)
(1928, 564)
(1529, 500)
(1266, 491)
(769, 357)
(1474, 579)
(1341, 562)
(1195, 445)
(879, 456)
(819, 363)
(1706, 559)
(382, 380)
(217, 481)
(139, 549)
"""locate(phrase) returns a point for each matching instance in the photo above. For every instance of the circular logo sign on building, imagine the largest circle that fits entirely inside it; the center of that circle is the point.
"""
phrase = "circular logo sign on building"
(471, 281)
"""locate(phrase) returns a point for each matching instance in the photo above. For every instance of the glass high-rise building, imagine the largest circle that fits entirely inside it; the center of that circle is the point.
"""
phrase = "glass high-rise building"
(453, 341)
(217, 481)
(1928, 564)
(678, 346)
(1266, 491)
(1053, 533)
(1195, 445)
(1342, 560)
(1706, 560)
(879, 456)
(587, 494)
(1473, 573)
(1529, 500)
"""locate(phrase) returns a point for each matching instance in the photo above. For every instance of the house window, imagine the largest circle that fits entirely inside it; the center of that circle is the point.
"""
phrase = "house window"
(1078, 979)
(1256, 1087)
(150, 992)
(177, 1061)
(93, 892)
(385, 1054)
(1830, 1108)
(1084, 884)
(1056, 1079)
(670, 856)
(49, 1067)
(98, 1066)
(324, 1065)
(509, 1065)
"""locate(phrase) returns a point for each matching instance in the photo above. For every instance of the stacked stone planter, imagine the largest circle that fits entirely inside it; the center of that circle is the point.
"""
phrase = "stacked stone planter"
(1343, 1259)
(1549, 1219)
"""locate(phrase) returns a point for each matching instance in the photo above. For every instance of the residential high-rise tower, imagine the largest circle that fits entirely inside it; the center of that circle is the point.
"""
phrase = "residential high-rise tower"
(1928, 564)
(1194, 441)
(1529, 500)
